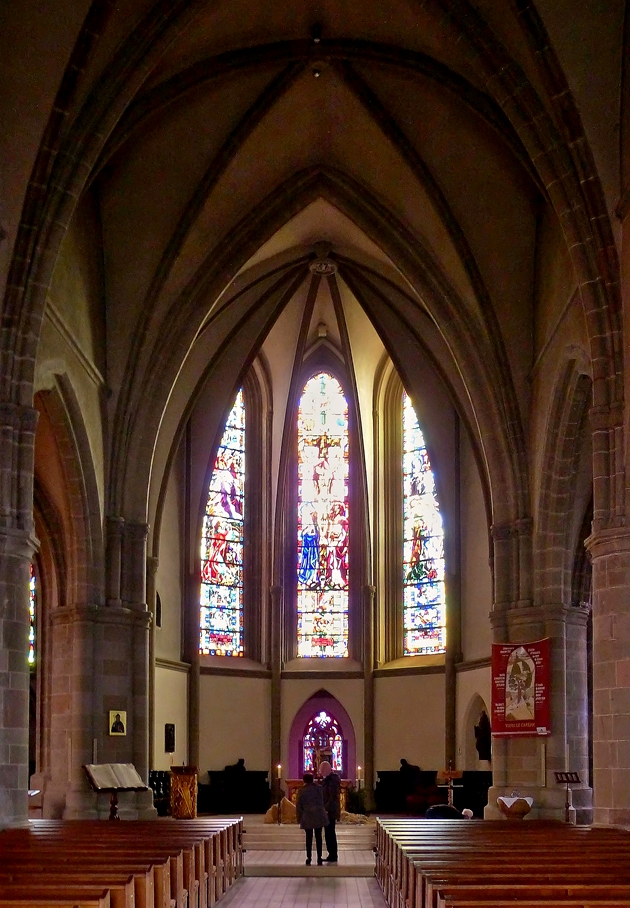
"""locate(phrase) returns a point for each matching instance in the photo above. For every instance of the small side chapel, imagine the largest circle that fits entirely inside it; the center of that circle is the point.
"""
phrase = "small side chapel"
(313, 396)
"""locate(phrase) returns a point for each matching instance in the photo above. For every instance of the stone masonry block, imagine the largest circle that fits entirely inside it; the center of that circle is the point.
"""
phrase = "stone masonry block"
(15, 712)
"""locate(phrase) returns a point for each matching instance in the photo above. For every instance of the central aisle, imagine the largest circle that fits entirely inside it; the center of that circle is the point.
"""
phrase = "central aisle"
(304, 892)
(278, 850)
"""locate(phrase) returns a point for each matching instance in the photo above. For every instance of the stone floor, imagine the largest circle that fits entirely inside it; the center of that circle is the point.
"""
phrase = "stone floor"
(279, 851)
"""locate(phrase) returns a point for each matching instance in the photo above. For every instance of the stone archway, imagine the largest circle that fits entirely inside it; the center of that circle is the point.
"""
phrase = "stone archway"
(471, 718)
(321, 701)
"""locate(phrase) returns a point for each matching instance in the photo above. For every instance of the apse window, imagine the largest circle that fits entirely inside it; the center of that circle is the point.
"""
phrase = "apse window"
(32, 616)
(221, 601)
(322, 519)
(424, 613)
(322, 741)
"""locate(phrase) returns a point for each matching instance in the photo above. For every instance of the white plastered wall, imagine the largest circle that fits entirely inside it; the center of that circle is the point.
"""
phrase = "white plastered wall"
(171, 705)
(409, 721)
(234, 722)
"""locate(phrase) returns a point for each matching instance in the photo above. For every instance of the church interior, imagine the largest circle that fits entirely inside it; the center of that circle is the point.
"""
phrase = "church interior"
(313, 394)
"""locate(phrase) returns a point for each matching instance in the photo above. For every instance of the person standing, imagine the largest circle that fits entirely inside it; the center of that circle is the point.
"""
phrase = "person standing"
(331, 787)
(311, 815)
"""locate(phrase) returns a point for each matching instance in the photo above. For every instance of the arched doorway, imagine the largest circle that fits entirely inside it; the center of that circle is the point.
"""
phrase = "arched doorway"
(322, 730)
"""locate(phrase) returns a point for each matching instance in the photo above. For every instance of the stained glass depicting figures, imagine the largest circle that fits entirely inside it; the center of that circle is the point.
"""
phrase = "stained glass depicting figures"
(322, 741)
(322, 550)
(423, 545)
(32, 606)
(221, 599)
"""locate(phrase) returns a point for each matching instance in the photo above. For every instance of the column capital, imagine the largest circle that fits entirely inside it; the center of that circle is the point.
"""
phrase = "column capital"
(609, 541)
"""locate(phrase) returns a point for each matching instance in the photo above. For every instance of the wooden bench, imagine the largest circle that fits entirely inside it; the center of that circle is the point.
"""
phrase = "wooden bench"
(427, 864)
(131, 864)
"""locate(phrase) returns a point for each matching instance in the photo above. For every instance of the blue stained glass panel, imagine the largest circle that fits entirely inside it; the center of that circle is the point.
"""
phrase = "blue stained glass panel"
(423, 546)
(322, 550)
(221, 598)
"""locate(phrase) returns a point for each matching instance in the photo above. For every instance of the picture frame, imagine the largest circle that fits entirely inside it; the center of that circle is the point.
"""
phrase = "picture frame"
(169, 738)
(117, 724)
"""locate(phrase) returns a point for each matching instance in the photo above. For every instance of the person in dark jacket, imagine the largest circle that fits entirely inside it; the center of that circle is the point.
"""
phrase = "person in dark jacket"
(311, 815)
(332, 802)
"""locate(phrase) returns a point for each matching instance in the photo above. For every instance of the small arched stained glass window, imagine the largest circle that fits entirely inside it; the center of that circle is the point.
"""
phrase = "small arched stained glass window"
(423, 553)
(322, 741)
(322, 500)
(221, 602)
(32, 616)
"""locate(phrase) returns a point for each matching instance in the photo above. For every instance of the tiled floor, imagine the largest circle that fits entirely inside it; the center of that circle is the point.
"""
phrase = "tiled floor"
(304, 892)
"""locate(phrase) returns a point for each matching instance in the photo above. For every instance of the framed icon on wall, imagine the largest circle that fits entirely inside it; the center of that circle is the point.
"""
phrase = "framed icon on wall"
(118, 722)
(169, 738)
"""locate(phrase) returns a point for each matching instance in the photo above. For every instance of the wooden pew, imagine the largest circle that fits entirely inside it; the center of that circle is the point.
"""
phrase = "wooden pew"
(146, 864)
(421, 864)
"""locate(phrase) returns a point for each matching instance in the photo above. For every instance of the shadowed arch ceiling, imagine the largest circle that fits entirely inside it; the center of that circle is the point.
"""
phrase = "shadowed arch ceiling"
(240, 135)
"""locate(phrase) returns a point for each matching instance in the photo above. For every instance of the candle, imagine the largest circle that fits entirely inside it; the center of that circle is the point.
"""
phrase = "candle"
(358, 777)
(279, 770)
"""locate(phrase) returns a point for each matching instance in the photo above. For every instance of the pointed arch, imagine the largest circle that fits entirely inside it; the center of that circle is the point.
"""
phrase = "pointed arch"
(424, 602)
(323, 518)
(567, 435)
(321, 701)
(222, 542)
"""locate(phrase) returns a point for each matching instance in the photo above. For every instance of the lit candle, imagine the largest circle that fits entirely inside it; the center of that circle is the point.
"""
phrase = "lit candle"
(279, 770)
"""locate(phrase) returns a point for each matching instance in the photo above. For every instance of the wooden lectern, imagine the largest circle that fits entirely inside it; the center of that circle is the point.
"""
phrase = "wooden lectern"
(112, 778)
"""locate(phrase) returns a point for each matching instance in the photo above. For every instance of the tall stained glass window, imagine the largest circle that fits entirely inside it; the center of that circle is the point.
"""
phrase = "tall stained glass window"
(322, 550)
(221, 603)
(423, 554)
(32, 616)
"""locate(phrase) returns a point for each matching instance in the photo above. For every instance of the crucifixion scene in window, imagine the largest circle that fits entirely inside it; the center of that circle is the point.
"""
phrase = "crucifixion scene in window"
(322, 519)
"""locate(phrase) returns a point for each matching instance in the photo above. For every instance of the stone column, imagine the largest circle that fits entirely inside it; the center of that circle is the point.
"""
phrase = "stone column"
(134, 596)
(275, 596)
(369, 596)
(114, 527)
(17, 544)
(152, 566)
(610, 553)
(527, 764)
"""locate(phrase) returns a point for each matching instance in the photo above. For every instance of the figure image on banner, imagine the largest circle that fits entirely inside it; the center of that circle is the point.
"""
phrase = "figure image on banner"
(519, 686)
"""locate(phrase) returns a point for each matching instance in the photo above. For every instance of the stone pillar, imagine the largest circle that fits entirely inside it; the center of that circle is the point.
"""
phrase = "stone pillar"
(152, 566)
(17, 544)
(275, 596)
(134, 596)
(369, 596)
(610, 553)
(527, 764)
(114, 527)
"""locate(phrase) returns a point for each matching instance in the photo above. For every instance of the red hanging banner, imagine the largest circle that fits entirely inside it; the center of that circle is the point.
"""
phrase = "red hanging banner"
(520, 688)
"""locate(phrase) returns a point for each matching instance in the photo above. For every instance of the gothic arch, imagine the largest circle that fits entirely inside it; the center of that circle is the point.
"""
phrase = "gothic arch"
(556, 538)
(81, 539)
(504, 452)
(471, 717)
(320, 700)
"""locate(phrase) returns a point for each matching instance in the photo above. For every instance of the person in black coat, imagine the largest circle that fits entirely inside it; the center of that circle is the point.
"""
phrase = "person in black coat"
(311, 815)
(332, 802)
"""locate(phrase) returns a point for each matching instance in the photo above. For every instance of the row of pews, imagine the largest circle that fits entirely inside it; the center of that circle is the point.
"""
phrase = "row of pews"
(130, 864)
(476, 864)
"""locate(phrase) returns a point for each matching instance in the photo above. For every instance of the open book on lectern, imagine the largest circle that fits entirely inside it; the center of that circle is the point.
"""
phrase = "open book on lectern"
(117, 776)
